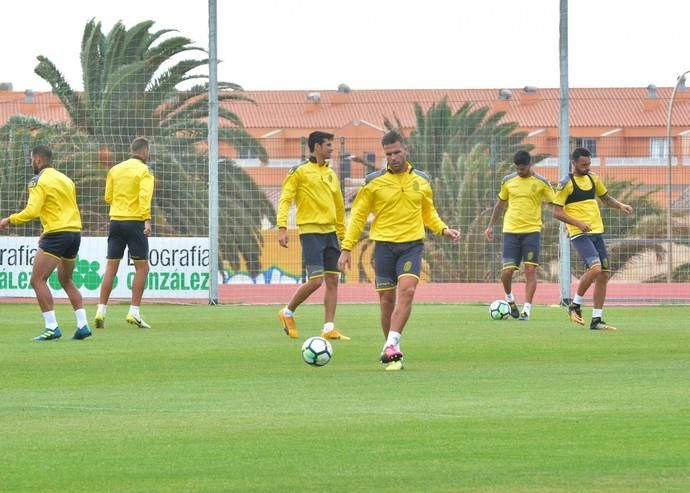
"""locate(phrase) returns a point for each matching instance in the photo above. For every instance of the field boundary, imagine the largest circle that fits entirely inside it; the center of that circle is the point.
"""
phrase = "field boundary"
(443, 293)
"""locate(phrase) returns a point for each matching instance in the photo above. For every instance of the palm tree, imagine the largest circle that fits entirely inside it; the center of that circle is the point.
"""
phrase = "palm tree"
(467, 152)
(131, 83)
(72, 155)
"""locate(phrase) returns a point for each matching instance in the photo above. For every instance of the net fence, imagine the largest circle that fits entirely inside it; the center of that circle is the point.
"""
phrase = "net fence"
(464, 139)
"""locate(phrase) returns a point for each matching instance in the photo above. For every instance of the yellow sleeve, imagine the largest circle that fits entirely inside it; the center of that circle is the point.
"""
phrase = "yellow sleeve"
(358, 218)
(503, 192)
(339, 213)
(33, 206)
(108, 188)
(429, 214)
(145, 194)
(287, 195)
(562, 194)
(548, 195)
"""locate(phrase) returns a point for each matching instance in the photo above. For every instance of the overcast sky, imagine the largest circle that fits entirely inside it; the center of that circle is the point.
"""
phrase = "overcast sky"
(377, 44)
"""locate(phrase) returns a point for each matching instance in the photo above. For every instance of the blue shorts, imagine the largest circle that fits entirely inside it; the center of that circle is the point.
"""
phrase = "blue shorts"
(62, 244)
(395, 260)
(592, 250)
(520, 247)
(320, 253)
(129, 234)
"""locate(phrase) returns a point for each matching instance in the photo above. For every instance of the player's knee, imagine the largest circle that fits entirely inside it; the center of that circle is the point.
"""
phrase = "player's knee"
(141, 267)
(65, 278)
(406, 292)
(316, 282)
(37, 279)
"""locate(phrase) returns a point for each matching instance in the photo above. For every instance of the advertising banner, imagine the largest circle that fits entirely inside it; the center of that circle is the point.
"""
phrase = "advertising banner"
(178, 268)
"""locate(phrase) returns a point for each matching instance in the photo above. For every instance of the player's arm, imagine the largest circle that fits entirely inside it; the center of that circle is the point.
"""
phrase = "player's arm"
(560, 214)
(145, 194)
(108, 188)
(430, 215)
(498, 211)
(360, 212)
(287, 195)
(33, 206)
(339, 213)
(358, 218)
(611, 202)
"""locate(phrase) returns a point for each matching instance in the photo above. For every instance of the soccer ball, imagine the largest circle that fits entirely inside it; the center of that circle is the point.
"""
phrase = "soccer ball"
(499, 310)
(317, 351)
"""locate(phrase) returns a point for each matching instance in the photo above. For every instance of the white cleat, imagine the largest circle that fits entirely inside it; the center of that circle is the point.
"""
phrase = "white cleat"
(138, 321)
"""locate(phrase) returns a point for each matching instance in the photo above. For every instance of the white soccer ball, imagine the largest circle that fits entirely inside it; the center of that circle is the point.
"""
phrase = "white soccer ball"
(499, 310)
(317, 351)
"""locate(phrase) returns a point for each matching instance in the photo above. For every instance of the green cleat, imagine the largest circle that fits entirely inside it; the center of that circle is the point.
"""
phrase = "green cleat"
(82, 333)
(49, 335)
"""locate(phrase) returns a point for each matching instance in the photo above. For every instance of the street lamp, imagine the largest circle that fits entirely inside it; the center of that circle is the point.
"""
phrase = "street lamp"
(669, 237)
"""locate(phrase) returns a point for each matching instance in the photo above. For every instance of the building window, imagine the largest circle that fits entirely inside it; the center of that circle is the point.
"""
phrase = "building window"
(658, 148)
(588, 143)
(246, 152)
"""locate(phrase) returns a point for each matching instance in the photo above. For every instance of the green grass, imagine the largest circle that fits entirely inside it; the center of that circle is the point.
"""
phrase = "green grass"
(217, 399)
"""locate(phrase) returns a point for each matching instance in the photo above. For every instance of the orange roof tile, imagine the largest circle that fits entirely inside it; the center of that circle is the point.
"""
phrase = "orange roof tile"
(589, 107)
(598, 107)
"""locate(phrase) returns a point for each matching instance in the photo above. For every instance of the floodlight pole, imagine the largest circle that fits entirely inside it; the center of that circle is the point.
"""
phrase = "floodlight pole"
(564, 150)
(213, 153)
(669, 149)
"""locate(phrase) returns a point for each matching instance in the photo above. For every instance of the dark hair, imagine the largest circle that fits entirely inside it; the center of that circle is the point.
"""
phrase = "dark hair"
(139, 144)
(392, 137)
(579, 152)
(43, 151)
(522, 157)
(318, 137)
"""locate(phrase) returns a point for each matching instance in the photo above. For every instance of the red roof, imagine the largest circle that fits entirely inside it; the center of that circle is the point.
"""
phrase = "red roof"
(600, 107)
(589, 107)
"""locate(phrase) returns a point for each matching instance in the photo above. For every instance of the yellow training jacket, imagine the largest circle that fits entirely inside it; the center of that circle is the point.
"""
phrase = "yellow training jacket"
(53, 199)
(402, 204)
(129, 190)
(316, 191)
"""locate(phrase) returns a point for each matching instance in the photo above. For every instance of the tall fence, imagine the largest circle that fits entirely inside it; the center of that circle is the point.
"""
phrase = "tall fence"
(464, 140)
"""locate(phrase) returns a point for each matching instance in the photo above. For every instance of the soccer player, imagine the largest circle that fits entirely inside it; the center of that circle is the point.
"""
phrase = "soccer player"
(53, 199)
(522, 193)
(402, 202)
(576, 205)
(129, 191)
(315, 189)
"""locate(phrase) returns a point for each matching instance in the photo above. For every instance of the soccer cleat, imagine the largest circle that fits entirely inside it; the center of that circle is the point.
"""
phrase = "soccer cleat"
(514, 312)
(334, 334)
(100, 320)
(391, 354)
(524, 316)
(289, 324)
(575, 313)
(49, 334)
(138, 321)
(82, 333)
(395, 365)
(599, 324)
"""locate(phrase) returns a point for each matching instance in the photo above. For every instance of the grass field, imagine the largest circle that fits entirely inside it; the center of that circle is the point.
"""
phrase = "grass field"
(218, 399)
